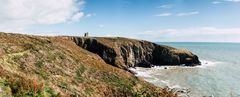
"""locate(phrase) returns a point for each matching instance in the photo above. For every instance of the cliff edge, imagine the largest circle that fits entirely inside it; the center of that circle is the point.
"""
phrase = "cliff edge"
(125, 53)
(40, 66)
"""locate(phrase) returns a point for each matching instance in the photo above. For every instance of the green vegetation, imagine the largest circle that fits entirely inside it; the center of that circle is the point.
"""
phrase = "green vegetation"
(29, 46)
(21, 87)
(39, 64)
(34, 66)
(63, 85)
(4, 88)
(79, 73)
(42, 74)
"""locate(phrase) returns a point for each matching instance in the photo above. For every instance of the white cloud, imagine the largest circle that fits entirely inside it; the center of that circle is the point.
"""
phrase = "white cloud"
(216, 2)
(200, 34)
(188, 13)
(91, 15)
(178, 14)
(223, 1)
(165, 6)
(163, 14)
(29, 12)
(233, 0)
(77, 16)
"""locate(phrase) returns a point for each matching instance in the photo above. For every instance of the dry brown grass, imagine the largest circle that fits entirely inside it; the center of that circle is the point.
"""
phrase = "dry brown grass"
(55, 66)
(181, 51)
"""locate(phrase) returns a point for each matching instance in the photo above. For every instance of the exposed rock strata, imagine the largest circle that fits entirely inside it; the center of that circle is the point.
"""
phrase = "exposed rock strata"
(125, 53)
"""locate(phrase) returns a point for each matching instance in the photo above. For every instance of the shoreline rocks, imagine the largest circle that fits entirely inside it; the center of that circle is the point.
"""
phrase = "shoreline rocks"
(125, 53)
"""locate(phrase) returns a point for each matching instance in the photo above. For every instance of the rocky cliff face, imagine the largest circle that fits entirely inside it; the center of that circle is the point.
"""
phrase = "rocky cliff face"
(125, 53)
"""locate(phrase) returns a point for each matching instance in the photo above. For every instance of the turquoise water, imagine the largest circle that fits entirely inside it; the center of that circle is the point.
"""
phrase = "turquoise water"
(219, 75)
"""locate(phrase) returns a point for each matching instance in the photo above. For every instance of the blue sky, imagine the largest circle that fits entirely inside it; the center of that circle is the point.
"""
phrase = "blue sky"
(153, 20)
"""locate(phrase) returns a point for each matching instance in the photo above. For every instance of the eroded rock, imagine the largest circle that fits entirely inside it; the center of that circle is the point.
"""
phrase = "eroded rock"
(125, 53)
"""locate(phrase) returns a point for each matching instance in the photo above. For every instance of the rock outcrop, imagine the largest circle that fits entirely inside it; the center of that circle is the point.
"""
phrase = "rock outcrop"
(125, 53)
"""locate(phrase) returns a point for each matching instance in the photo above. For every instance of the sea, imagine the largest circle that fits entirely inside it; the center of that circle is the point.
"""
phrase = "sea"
(218, 76)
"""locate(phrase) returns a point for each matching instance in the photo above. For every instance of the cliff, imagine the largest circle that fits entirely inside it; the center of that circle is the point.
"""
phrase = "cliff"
(38, 66)
(125, 53)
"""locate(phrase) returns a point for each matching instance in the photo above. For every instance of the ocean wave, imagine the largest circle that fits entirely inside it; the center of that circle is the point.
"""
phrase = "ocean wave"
(148, 73)
(157, 75)
(143, 74)
(175, 87)
(140, 73)
(208, 63)
(205, 63)
(150, 76)
(172, 86)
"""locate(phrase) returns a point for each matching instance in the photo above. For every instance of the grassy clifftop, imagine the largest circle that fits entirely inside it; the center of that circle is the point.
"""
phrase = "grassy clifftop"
(56, 67)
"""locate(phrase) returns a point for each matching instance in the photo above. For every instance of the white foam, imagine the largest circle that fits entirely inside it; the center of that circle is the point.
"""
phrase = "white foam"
(140, 73)
(132, 69)
(143, 74)
(152, 80)
(148, 76)
(149, 73)
(172, 86)
(163, 67)
(207, 63)
(175, 87)
(166, 82)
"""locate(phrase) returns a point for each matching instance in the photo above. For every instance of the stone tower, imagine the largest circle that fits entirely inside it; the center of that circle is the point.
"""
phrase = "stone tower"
(86, 34)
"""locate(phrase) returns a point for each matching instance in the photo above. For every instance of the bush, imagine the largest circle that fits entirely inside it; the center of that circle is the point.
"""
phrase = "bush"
(25, 87)
(29, 46)
(22, 87)
(39, 64)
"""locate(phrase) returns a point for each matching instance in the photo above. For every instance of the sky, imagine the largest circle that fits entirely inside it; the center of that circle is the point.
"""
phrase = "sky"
(152, 20)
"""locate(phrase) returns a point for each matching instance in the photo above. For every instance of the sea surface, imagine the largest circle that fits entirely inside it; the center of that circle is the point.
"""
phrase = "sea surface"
(218, 76)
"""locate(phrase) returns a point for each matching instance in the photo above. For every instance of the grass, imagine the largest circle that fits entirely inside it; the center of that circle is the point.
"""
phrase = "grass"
(36, 66)
(79, 73)
(5, 90)
(29, 46)
(39, 64)
(181, 51)
(126, 86)
(89, 90)
(63, 85)
(42, 74)
(27, 87)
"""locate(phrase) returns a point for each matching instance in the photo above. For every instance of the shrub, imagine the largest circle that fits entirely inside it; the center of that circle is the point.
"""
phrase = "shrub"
(29, 87)
(29, 46)
(39, 64)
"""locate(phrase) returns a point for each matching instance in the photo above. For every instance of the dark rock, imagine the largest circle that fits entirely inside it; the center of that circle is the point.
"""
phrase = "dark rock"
(144, 64)
(125, 53)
